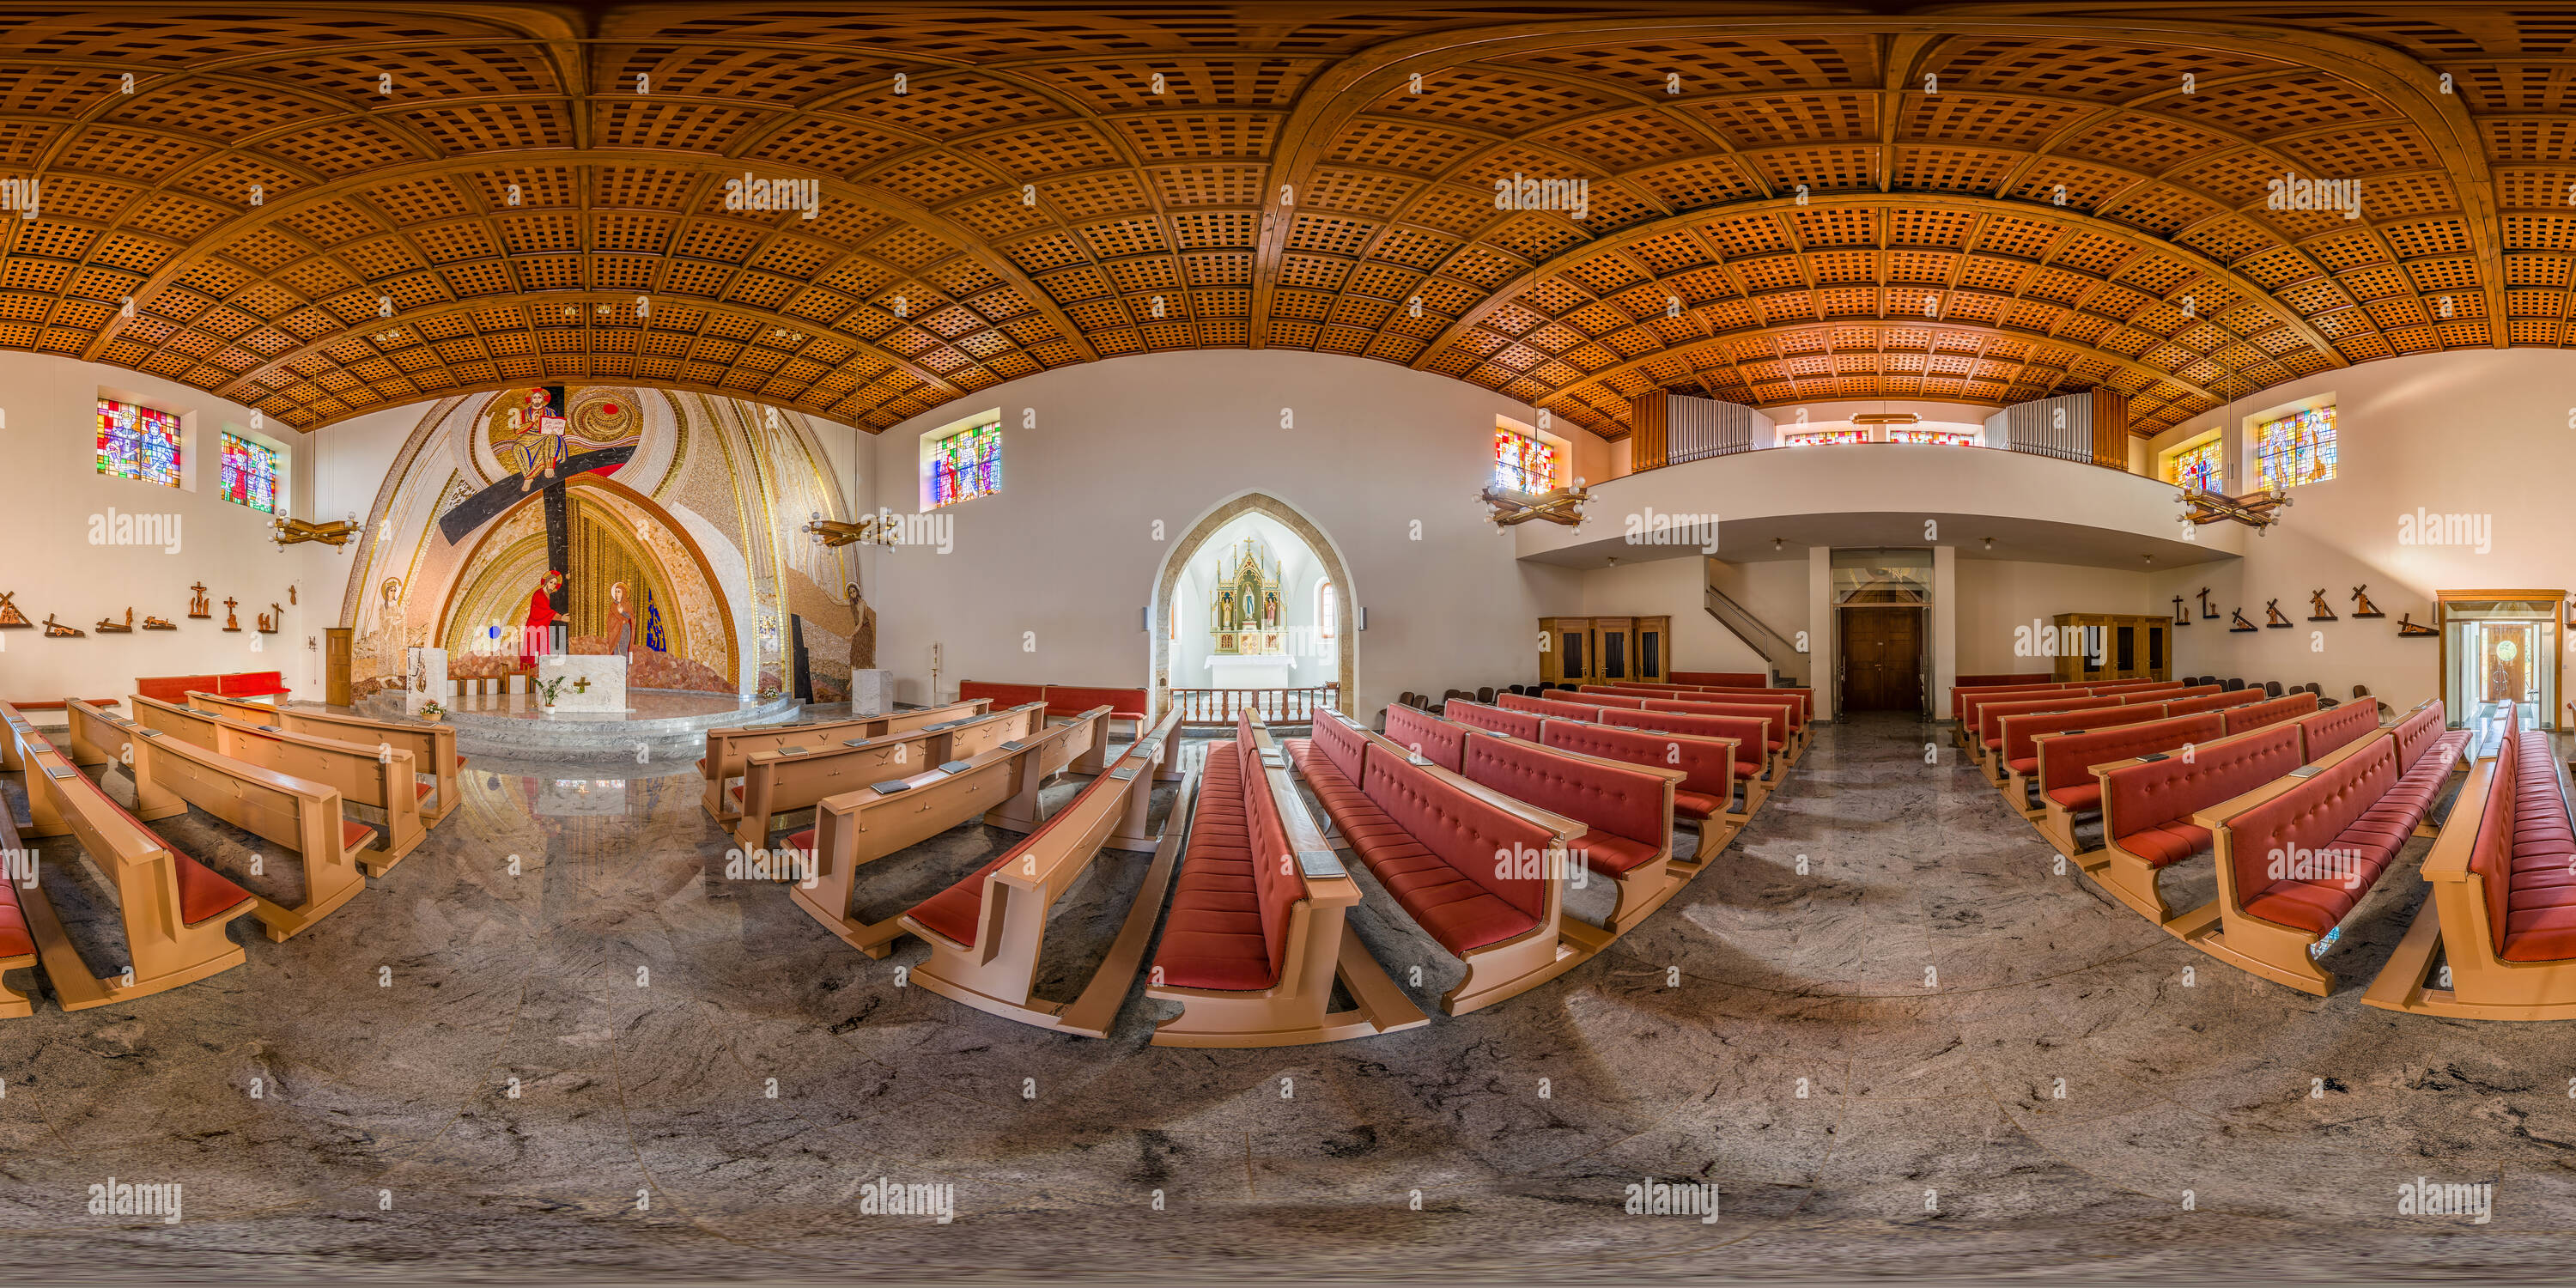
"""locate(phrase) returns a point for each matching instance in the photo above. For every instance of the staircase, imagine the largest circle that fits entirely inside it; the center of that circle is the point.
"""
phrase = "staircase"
(1788, 665)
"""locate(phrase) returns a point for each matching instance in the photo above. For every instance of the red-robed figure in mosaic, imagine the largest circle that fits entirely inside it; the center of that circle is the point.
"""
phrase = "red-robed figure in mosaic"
(541, 614)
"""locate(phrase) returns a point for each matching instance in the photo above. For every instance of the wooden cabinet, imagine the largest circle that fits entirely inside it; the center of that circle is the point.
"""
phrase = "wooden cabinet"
(2133, 646)
(1604, 650)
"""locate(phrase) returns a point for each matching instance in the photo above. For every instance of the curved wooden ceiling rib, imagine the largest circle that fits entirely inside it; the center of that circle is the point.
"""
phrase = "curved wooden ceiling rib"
(1362, 82)
(1148, 204)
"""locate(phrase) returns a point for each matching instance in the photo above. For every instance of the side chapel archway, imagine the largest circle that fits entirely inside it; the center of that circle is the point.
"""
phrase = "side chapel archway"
(1167, 580)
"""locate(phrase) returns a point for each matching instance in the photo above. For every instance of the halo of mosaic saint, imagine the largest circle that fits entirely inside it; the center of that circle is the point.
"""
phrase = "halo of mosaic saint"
(687, 639)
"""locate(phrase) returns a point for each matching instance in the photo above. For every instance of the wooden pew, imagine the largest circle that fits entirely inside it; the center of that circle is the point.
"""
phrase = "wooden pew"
(2255, 715)
(1706, 796)
(2018, 750)
(1260, 928)
(987, 932)
(17, 936)
(171, 774)
(375, 774)
(2281, 854)
(1510, 930)
(857, 827)
(2148, 804)
(432, 746)
(174, 910)
(728, 749)
(2502, 913)
(1626, 809)
(796, 776)
(2068, 788)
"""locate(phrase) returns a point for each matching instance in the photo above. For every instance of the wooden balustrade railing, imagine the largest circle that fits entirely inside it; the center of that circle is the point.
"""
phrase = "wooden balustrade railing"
(1275, 706)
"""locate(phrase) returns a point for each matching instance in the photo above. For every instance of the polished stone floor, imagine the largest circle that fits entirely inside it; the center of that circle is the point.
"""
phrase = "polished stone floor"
(559, 1043)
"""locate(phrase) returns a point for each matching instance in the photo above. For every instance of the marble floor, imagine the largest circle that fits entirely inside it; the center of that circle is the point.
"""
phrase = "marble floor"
(559, 1042)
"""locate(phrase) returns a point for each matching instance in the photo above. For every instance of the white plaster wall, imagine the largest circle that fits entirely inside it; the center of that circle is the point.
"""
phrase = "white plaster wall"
(48, 456)
(1997, 595)
(2484, 432)
(1045, 580)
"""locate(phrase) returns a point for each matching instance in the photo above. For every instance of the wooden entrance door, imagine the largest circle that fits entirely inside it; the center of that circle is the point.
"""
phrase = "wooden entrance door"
(2507, 661)
(1883, 659)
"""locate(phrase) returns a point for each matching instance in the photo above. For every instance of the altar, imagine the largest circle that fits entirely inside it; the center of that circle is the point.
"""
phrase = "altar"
(591, 682)
(1260, 672)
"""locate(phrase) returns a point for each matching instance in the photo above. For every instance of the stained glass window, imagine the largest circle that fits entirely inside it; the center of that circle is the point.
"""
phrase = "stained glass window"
(963, 466)
(138, 443)
(250, 474)
(2196, 468)
(2297, 448)
(1820, 437)
(1327, 608)
(1935, 437)
(1523, 463)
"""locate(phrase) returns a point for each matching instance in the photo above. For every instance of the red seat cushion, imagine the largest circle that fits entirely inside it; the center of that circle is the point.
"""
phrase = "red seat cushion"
(2080, 797)
(15, 939)
(460, 763)
(801, 841)
(1452, 909)
(1700, 805)
(2023, 765)
(2315, 903)
(421, 791)
(203, 892)
(1612, 853)
(1212, 937)
(952, 912)
(2168, 845)
(354, 834)
(702, 765)
(736, 789)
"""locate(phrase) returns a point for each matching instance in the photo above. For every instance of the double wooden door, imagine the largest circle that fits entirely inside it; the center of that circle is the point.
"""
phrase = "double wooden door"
(1882, 659)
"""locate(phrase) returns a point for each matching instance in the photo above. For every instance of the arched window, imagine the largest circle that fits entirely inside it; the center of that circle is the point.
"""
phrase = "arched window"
(1327, 610)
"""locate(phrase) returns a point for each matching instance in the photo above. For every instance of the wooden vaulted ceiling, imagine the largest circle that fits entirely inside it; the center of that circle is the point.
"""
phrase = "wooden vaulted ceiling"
(1984, 203)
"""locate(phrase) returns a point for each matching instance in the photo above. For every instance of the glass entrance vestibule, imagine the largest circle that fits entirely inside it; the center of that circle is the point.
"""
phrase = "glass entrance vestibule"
(2502, 646)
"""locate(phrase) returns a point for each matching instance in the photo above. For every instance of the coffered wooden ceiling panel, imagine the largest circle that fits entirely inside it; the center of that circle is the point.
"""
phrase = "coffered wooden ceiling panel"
(320, 210)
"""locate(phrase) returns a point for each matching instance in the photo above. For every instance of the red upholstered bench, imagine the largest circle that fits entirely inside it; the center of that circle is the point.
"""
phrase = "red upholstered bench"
(2330, 730)
(1519, 724)
(1723, 679)
(2295, 857)
(2068, 789)
(2219, 701)
(1986, 746)
(1258, 929)
(1706, 794)
(1750, 734)
(2147, 809)
(175, 688)
(17, 940)
(1627, 808)
(1442, 743)
(2258, 714)
(2018, 749)
(2503, 910)
(251, 684)
(1432, 840)
(1001, 695)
